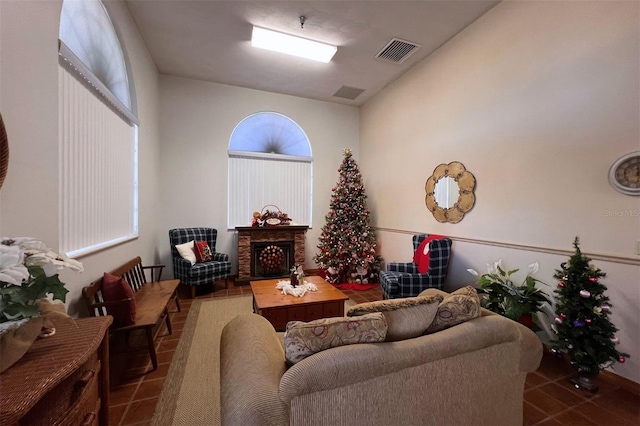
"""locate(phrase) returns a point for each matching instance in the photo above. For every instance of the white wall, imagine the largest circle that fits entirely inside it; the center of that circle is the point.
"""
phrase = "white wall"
(197, 119)
(537, 99)
(29, 105)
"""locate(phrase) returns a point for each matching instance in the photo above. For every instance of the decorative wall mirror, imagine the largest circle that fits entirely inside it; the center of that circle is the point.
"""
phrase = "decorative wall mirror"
(450, 192)
(4, 152)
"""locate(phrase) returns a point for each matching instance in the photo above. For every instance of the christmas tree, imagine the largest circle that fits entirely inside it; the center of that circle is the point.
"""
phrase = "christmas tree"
(583, 329)
(347, 243)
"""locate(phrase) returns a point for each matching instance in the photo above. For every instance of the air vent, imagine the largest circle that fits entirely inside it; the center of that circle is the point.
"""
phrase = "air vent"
(347, 92)
(398, 50)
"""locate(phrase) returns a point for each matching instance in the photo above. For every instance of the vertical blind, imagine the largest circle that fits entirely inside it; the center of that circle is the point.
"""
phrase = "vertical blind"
(98, 202)
(258, 182)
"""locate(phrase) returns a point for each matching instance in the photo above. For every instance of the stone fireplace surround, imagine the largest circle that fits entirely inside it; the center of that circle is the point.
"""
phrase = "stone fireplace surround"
(248, 236)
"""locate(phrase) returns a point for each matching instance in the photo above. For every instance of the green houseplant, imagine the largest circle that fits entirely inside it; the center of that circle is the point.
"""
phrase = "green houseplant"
(518, 302)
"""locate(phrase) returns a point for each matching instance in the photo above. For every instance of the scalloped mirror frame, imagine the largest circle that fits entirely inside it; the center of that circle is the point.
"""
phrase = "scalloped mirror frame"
(4, 152)
(466, 198)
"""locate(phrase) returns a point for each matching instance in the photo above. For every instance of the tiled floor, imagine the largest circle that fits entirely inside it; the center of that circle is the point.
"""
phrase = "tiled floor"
(550, 399)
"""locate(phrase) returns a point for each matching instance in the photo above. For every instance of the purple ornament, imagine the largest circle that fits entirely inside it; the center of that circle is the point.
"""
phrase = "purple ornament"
(563, 265)
(578, 323)
(606, 308)
(593, 279)
(585, 294)
(559, 355)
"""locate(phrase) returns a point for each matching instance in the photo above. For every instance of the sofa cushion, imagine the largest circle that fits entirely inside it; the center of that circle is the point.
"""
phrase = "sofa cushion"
(406, 318)
(187, 251)
(460, 306)
(302, 339)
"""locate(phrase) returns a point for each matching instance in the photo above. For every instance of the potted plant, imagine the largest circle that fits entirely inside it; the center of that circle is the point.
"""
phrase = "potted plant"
(518, 302)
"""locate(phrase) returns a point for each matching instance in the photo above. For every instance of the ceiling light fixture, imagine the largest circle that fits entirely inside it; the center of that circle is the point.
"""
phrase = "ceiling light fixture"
(291, 45)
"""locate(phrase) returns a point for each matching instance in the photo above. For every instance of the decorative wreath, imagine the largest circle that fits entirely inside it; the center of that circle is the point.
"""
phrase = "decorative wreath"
(271, 258)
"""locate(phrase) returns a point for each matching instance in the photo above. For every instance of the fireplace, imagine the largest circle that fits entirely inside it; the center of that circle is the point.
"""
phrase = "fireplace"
(271, 259)
(269, 252)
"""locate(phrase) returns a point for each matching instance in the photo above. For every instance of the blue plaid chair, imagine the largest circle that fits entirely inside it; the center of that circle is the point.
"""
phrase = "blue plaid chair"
(199, 273)
(403, 279)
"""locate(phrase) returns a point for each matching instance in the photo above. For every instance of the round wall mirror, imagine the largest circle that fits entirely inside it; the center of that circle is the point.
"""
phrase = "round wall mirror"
(450, 192)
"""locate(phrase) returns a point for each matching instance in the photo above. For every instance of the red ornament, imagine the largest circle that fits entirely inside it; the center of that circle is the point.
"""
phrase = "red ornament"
(560, 284)
(593, 279)
(621, 360)
(562, 315)
(587, 320)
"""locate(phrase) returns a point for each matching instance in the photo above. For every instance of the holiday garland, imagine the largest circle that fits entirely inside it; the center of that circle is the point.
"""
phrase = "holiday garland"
(582, 326)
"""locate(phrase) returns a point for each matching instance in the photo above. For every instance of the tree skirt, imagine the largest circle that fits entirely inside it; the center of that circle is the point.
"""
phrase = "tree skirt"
(349, 286)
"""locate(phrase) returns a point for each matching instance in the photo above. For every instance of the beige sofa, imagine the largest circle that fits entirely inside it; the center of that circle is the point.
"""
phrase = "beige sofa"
(470, 374)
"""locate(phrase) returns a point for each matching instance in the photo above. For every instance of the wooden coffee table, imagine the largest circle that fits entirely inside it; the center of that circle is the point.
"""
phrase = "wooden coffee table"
(279, 308)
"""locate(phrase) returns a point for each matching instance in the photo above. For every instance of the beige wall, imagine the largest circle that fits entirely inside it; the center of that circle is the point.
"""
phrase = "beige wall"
(197, 119)
(29, 105)
(537, 99)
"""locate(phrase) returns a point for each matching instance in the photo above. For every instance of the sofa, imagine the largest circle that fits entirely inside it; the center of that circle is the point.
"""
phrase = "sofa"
(472, 373)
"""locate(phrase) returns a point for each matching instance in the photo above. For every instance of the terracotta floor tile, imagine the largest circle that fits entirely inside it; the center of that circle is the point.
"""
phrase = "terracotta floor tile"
(140, 411)
(168, 345)
(534, 379)
(572, 417)
(602, 416)
(622, 403)
(562, 394)
(116, 413)
(165, 357)
(531, 415)
(160, 373)
(549, 422)
(544, 402)
(149, 389)
(122, 394)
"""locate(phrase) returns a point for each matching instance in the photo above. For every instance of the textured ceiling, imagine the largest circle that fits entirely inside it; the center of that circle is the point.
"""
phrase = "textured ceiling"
(210, 40)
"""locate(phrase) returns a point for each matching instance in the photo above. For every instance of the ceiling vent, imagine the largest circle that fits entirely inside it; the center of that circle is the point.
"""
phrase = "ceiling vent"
(347, 92)
(398, 50)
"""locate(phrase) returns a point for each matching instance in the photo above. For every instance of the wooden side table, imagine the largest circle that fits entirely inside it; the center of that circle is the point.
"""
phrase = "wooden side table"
(62, 379)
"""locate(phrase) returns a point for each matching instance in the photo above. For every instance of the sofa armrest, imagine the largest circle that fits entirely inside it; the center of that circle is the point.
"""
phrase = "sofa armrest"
(347, 365)
(251, 364)
(409, 268)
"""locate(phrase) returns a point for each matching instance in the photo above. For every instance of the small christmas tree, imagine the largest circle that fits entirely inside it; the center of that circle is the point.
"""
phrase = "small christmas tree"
(584, 331)
(347, 243)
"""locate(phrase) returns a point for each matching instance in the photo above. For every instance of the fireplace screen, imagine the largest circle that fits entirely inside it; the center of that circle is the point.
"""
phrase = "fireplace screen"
(272, 259)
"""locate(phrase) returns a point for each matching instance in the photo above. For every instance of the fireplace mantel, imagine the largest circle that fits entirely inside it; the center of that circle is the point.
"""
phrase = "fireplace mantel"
(248, 236)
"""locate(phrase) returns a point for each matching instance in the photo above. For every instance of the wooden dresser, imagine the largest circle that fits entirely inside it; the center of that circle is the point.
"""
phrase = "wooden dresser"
(62, 379)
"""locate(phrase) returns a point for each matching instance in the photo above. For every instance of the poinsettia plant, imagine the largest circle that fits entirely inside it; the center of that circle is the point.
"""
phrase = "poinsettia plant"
(28, 272)
(505, 297)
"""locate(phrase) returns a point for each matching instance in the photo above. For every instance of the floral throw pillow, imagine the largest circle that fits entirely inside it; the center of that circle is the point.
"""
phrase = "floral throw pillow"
(203, 252)
(460, 306)
(303, 339)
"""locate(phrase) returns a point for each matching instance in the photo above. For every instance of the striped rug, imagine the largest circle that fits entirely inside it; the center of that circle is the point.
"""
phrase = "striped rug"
(191, 392)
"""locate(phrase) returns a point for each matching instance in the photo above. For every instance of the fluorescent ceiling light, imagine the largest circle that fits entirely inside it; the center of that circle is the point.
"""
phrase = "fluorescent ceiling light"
(291, 45)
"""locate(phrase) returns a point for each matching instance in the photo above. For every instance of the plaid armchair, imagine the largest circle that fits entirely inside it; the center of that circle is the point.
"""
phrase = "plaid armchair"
(199, 273)
(403, 279)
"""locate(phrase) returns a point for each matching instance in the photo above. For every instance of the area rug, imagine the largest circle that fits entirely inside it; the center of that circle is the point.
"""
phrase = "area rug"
(191, 391)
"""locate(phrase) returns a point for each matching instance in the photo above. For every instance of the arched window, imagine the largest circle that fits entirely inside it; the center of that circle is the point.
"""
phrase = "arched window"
(98, 133)
(270, 163)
